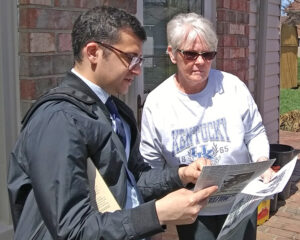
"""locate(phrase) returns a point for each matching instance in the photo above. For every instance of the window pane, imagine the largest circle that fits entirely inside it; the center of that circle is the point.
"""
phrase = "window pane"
(157, 66)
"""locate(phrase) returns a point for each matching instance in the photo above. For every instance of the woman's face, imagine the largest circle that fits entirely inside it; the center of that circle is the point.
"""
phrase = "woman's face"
(192, 74)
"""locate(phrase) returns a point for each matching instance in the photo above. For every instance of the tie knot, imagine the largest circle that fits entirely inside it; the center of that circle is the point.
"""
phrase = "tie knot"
(111, 106)
(117, 122)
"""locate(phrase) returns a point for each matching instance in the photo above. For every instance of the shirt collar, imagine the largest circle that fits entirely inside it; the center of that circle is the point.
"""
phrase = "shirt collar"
(103, 95)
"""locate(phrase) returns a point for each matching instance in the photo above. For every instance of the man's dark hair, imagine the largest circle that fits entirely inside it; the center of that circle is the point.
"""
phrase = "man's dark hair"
(103, 24)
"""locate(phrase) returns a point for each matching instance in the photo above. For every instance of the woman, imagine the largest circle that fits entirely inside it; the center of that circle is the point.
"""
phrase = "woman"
(202, 112)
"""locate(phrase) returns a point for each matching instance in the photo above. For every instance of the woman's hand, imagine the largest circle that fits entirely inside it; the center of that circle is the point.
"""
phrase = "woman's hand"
(190, 173)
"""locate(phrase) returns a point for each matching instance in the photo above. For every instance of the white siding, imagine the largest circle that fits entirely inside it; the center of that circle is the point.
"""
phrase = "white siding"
(268, 99)
(271, 109)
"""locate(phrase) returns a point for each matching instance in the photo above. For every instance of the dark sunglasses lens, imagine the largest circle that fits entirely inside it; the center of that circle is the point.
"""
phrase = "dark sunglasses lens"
(189, 55)
(209, 55)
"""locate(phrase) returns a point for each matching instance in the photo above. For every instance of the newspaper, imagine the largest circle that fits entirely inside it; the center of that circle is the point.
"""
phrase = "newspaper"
(248, 200)
(231, 180)
(241, 187)
(101, 197)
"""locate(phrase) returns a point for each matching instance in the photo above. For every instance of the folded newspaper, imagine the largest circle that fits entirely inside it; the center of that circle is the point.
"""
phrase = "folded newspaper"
(241, 185)
(101, 197)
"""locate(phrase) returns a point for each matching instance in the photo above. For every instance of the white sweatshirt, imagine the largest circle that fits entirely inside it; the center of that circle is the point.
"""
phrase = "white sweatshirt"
(221, 123)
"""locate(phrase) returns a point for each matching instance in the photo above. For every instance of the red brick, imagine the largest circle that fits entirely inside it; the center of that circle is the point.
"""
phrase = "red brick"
(236, 29)
(228, 65)
(64, 42)
(32, 66)
(223, 4)
(281, 233)
(242, 17)
(247, 29)
(223, 52)
(68, 3)
(242, 5)
(28, 17)
(27, 89)
(242, 41)
(248, 6)
(237, 53)
(221, 15)
(62, 63)
(242, 64)
(128, 5)
(234, 4)
(24, 44)
(265, 236)
(241, 74)
(44, 84)
(42, 42)
(47, 18)
(86, 4)
(32, 88)
(231, 16)
(228, 41)
(222, 28)
(39, 2)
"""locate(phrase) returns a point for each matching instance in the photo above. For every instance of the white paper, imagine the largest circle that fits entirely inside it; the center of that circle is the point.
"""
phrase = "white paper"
(248, 200)
(231, 180)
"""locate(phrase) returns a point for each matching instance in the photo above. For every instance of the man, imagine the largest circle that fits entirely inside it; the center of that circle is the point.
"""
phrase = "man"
(48, 182)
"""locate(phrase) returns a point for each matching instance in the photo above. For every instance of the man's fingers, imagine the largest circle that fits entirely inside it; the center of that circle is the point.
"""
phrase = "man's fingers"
(205, 193)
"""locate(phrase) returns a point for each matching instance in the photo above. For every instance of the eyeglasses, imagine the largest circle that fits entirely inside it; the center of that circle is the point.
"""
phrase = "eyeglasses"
(192, 55)
(134, 61)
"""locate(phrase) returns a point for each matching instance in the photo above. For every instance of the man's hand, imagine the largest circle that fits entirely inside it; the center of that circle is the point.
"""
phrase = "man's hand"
(269, 173)
(190, 173)
(182, 206)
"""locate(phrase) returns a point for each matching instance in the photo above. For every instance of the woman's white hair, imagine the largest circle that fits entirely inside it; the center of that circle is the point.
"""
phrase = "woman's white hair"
(186, 27)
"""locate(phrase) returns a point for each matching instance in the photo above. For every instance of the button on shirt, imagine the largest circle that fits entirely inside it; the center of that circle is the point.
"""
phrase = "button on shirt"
(131, 199)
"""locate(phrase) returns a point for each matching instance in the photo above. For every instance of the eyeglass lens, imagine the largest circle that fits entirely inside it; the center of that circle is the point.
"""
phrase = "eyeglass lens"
(191, 55)
(134, 61)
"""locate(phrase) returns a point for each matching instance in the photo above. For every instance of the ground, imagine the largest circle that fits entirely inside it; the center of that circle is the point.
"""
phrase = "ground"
(290, 121)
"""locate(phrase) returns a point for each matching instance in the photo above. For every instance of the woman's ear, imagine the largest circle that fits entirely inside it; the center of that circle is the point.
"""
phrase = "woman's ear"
(171, 54)
(91, 51)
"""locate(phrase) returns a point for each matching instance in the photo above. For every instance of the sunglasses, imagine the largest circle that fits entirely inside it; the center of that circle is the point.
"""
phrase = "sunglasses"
(134, 61)
(192, 55)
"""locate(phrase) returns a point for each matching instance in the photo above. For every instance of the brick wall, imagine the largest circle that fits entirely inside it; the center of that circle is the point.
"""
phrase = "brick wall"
(233, 33)
(45, 41)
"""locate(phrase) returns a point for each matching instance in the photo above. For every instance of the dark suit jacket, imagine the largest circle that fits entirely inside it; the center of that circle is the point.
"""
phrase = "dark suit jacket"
(47, 178)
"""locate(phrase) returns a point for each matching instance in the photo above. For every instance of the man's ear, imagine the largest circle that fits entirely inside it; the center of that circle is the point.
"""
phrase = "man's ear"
(92, 52)
(171, 54)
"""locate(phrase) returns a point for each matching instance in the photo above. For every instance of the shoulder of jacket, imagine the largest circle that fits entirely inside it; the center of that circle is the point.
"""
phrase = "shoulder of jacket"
(73, 96)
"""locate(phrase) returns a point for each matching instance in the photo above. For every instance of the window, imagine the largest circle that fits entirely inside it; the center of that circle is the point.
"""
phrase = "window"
(157, 66)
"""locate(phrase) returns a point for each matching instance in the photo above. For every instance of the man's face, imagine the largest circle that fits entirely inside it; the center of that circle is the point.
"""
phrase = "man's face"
(112, 72)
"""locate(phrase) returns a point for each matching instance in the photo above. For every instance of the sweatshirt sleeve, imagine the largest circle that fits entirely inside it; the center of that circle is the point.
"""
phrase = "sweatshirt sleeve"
(150, 146)
(255, 132)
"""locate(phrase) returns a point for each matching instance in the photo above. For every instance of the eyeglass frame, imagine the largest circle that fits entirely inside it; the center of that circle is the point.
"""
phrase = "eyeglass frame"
(198, 54)
(134, 60)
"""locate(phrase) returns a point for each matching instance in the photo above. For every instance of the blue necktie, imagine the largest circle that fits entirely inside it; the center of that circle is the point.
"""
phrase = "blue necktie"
(119, 128)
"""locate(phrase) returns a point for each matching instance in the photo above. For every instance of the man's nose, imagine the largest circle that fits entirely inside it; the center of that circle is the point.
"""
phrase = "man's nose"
(136, 70)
